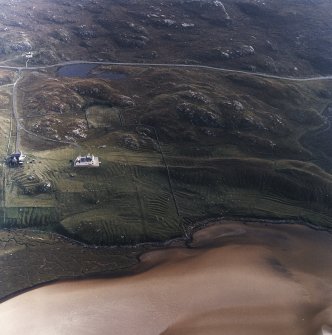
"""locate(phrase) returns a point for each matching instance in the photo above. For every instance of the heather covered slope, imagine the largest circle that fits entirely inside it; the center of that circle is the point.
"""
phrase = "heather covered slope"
(285, 37)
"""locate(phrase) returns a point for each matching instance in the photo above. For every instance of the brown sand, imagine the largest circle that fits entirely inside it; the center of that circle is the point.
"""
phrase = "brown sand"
(237, 279)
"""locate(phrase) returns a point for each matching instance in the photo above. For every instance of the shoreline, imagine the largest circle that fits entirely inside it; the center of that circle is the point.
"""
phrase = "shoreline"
(179, 242)
(247, 277)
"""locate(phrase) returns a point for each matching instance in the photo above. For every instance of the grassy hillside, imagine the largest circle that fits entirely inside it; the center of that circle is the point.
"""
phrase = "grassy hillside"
(176, 146)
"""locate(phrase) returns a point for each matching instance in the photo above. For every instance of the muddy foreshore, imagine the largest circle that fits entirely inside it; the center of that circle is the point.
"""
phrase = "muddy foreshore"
(236, 277)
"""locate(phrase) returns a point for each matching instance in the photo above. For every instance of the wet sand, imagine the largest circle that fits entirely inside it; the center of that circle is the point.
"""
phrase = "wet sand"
(236, 279)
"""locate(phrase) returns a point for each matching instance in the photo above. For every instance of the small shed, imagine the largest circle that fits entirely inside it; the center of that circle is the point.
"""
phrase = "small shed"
(87, 161)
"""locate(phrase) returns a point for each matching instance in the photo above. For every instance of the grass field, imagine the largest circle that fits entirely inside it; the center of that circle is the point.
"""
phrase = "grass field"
(174, 150)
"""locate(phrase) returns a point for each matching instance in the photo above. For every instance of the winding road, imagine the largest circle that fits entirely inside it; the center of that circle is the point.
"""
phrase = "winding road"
(15, 113)
(21, 69)
(169, 65)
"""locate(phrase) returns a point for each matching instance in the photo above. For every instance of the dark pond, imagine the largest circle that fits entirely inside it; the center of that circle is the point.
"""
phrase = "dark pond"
(76, 70)
(86, 71)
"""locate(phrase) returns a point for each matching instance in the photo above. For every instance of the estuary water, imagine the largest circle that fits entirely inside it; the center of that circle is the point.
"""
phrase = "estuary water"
(235, 279)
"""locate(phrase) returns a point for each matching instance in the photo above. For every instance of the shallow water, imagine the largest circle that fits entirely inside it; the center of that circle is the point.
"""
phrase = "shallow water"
(236, 279)
(76, 70)
(85, 70)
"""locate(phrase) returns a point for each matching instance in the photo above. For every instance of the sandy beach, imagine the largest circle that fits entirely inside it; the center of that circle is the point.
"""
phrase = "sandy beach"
(235, 279)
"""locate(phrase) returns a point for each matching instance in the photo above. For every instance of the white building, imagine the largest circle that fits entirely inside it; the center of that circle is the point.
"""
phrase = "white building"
(16, 158)
(28, 55)
(87, 161)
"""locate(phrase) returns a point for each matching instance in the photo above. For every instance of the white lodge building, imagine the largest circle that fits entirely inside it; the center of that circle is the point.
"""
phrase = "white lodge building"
(87, 161)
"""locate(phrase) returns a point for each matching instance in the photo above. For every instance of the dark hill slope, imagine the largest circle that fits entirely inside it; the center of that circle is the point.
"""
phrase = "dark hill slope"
(284, 36)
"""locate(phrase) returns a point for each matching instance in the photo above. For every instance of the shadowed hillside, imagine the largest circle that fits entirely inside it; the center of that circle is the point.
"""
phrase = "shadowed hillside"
(282, 37)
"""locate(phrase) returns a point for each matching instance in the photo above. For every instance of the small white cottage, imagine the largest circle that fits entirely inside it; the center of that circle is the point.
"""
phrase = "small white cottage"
(87, 161)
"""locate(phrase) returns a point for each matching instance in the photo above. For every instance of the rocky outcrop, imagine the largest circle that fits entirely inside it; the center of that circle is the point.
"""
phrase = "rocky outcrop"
(14, 44)
(45, 57)
(222, 53)
(52, 127)
(126, 40)
(61, 35)
(123, 101)
(49, 16)
(198, 116)
(139, 141)
(213, 11)
(195, 96)
(85, 32)
(126, 34)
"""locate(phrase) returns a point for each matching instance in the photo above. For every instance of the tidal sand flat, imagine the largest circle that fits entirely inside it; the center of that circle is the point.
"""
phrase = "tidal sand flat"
(235, 278)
